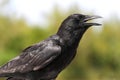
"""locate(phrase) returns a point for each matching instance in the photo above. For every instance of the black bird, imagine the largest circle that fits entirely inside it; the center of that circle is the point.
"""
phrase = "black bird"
(46, 59)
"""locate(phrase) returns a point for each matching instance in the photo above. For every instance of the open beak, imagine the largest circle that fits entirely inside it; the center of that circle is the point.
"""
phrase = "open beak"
(87, 18)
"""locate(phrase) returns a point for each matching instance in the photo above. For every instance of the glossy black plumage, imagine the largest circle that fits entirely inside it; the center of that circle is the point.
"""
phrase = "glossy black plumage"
(45, 60)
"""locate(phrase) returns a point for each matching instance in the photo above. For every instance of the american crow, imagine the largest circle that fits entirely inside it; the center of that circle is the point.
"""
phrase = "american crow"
(46, 59)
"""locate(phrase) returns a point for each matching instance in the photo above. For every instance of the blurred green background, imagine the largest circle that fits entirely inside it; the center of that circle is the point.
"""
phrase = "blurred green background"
(98, 53)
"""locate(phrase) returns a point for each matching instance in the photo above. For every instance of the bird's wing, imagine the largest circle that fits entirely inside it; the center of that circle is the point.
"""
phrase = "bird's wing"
(32, 58)
(13, 78)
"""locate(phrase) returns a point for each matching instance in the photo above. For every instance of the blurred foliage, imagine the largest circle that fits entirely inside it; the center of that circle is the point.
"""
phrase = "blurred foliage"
(98, 54)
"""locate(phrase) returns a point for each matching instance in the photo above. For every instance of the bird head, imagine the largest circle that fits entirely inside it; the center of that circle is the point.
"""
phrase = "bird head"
(79, 21)
(76, 24)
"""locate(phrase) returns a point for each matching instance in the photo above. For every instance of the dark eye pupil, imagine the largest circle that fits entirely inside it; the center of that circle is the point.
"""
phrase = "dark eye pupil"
(77, 21)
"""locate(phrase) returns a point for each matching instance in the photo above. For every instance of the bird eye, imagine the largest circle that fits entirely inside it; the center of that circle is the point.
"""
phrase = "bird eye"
(77, 21)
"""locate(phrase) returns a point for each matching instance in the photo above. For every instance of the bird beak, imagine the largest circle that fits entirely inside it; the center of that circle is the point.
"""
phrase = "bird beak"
(88, 18)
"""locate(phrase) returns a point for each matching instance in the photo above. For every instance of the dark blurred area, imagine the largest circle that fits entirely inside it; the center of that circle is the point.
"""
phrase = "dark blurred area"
(98, 54)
